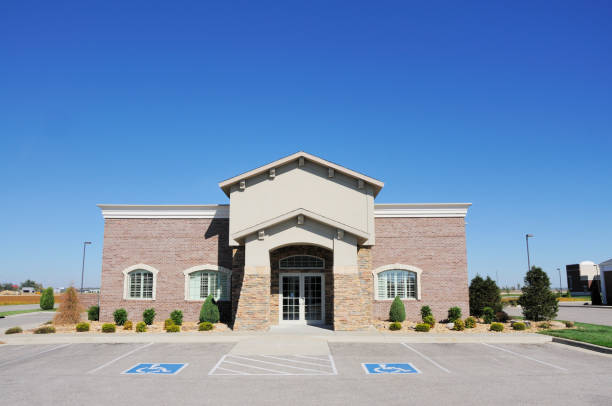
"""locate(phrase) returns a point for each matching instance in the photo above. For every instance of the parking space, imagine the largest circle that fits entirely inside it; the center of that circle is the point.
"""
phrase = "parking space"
(189, 373)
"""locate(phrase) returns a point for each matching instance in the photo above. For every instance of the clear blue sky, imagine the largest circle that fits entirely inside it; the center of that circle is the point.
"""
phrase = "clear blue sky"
(505, 105)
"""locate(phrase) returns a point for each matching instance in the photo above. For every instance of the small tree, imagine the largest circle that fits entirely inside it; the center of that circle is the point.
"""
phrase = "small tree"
(148, 316)
(397, 312)
(483, 293)
(177, 317)
(425, 311)
(69, 311)
(538, 301)
(120, 316)
(454, 313)
(209, 311)
(47, 300)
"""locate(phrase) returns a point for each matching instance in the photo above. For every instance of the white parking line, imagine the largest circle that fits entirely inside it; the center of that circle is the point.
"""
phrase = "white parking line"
(276, 363)
(427, 358)
(525, 356)
(253, 366)
(233, 364)
(294, 360)
(33, 355)
(118, 358)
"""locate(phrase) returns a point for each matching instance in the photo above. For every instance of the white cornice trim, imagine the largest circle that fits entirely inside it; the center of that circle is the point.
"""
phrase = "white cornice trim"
(421, 209)
(133, 211)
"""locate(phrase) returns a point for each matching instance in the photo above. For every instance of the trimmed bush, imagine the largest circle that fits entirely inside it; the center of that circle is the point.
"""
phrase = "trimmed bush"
(538, 301)
(545, 324)
(45, 330)
(177, 317)
(47, 299)
(69, 311)
(397, 312)
(205, 326)
(487, 315)
(168, 323)
(470, 322)
(173, 328)
(141, 327)
(497, 327)
(429, 320)
(569, 324)
(13, 330)
(454, 313)
(422, 327)
(502, 317)
(425, 311)
(519, 326)
(209, 311)
(148, 316)
(82, 327)
(128, 325)
(120, 316)
(459, 325)
(108, 328)
(93, 313)
(395, 326)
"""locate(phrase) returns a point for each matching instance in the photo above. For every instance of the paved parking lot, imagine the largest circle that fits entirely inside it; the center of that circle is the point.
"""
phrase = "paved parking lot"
(94, 374)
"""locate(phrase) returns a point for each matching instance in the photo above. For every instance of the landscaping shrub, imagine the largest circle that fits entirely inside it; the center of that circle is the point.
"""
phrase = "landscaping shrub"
(82, 326)
(397, 312)
(47, 299)
(459, 325)
(487, 315)
(45, 330)
(537, 300)
(209, 311)
(519, 326)
(497, 327)
(483, 293)
(69, 311)
(395, 326)
(545, 324)
(127, 325)
(167, 323)
(569, 324)
(108, 328)
(120, 316)
(429, 320)
(425, 311)
(173, 328)
(205, 326)
(177, 317)
(148, 316)
(454, 313)
(502, 317)
(13, 330)
(422, 327)
(93, 313)
(470, 322)
(141, 327)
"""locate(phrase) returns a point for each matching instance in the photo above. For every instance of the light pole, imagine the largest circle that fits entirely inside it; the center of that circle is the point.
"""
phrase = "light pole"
(85, 244)
(560, 285)
(527, 242)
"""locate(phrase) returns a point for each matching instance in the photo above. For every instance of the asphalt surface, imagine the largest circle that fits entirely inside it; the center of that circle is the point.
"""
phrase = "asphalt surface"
(10, 308)
(459, 374)
(583, 314)
(25, 321)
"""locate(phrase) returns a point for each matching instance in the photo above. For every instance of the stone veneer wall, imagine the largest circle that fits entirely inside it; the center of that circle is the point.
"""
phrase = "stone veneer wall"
(435, 245)
(170, 246)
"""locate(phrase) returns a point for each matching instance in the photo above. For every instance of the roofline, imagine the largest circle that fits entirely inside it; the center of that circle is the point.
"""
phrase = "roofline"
(421, 209)
(225, 185)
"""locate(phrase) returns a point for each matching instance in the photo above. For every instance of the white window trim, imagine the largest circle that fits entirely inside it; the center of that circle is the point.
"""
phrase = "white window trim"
(398, 267)
(306, 267)
(207, 267)
(126, 281)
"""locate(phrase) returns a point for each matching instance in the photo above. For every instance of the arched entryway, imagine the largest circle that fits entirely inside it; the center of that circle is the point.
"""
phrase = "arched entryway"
(301, 285)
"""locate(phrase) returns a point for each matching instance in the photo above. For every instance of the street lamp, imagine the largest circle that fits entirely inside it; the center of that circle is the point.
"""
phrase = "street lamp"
(527, 242)
(85, 244)
(560, 284)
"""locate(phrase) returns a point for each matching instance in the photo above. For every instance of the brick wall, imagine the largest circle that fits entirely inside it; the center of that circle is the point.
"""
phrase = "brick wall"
(437, 246)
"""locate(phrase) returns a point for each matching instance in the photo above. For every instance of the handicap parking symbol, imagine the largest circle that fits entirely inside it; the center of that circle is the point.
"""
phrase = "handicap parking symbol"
(390, 369)
(155, 369)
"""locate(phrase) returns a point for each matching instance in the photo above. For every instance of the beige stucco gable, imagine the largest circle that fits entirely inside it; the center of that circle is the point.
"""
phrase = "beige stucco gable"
(304, 186)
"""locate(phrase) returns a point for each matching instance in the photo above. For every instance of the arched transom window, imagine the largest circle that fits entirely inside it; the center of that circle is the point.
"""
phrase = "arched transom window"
(396, 282)
(302, 262)
(203, 281)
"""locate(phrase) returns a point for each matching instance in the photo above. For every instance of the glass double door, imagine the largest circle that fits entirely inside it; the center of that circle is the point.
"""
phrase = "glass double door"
(302, 298)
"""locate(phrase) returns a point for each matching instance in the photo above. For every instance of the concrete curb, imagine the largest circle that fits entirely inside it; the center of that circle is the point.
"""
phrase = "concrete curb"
(586, 346)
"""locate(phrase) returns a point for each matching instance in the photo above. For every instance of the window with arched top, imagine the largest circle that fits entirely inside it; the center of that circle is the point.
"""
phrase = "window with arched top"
(139, 282)
(302, 262)
(397, 280)
(204, 280)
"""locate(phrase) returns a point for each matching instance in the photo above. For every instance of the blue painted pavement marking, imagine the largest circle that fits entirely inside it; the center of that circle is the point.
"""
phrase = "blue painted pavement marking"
(390, 369)
(155, 369)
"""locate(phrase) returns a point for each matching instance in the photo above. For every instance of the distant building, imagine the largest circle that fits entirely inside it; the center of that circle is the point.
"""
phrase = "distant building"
(28, 289)
(606, 281)
(581, 276)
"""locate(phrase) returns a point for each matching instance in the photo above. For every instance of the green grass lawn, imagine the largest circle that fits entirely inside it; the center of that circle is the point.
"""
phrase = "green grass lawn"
(13, 312)
(588, 333)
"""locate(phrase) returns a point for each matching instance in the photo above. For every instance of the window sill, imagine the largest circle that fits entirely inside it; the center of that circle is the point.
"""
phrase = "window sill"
(139, 298)
(390, 300)
(203, 300)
